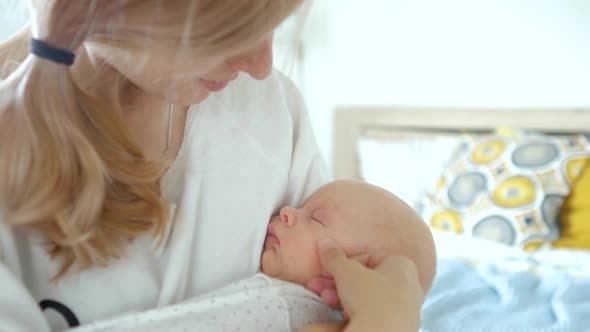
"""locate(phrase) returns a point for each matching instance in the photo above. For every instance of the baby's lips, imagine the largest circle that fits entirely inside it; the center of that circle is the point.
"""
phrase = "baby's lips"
(270, 232)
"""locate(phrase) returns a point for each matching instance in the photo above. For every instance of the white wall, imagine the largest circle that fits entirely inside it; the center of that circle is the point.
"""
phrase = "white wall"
(450, 53)
(13, 15)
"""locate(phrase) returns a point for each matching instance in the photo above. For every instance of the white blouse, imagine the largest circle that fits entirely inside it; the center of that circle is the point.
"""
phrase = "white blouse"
(247, 151)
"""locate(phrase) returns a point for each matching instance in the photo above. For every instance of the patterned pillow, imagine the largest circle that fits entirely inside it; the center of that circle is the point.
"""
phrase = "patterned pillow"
(507, 188)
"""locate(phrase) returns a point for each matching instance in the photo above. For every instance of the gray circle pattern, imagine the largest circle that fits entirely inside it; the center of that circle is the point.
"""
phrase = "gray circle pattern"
(466, 187)
(495, 228)
(534, 154)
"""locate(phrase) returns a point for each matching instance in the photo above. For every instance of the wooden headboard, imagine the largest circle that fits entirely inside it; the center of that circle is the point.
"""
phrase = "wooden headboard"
(351, 123)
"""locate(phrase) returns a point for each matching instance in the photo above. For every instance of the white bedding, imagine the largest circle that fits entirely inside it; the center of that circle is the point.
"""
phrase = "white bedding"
(485, 286)
(576, 262)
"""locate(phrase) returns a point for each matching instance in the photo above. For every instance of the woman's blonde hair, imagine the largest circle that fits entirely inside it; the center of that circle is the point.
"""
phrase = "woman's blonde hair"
(70, 168)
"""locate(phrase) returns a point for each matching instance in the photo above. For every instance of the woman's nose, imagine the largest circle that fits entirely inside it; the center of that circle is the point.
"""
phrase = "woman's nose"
(288, 215)
(256, 62)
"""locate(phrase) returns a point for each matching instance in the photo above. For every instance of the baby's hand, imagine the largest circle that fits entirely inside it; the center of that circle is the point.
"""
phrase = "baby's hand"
(325, 287)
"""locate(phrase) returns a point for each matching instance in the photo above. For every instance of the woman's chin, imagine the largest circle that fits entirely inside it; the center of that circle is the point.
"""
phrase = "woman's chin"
(186, 97)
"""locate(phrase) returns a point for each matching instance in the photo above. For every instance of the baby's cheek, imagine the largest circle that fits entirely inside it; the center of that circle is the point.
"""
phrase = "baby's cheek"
(305, 267)
(269, 263)
(316, 263)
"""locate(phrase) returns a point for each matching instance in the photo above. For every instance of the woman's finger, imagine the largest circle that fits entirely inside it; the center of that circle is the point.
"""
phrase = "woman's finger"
(335, 261)
(398, 269)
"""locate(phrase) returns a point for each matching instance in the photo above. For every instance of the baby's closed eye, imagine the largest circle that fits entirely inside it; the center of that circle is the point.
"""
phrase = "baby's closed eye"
(321, 215)
(318, 221)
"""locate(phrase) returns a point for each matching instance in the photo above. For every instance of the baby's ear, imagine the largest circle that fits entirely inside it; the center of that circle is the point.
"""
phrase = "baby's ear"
(362, 258)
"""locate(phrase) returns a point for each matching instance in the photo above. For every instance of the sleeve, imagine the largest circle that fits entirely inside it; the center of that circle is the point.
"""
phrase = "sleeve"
(308, 169)
(18, 310)
(247, 305)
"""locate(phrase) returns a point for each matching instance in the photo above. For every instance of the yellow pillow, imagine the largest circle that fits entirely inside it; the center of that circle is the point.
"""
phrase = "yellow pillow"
(575, 215)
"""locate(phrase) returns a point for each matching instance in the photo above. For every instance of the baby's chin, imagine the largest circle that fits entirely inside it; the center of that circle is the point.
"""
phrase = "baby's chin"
(270, 261)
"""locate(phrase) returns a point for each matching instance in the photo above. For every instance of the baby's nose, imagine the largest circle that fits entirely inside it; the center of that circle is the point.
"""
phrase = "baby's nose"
(288, 215)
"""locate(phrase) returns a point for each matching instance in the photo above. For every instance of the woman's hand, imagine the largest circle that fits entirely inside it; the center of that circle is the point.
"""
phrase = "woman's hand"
(388, 298)
(66, 23)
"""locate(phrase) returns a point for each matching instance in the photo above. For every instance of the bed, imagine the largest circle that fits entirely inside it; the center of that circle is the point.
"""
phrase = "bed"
(491, 183)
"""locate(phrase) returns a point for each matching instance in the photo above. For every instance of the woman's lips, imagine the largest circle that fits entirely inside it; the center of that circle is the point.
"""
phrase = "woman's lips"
(215, 86)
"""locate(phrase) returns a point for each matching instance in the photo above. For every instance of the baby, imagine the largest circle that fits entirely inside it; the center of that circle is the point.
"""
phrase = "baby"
(368, 223)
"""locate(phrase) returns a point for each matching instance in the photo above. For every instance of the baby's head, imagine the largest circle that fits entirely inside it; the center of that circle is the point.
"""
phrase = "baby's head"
(368, 222)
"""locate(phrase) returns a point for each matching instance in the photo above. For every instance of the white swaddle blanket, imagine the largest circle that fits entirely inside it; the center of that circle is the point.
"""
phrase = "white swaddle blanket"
(259, 303)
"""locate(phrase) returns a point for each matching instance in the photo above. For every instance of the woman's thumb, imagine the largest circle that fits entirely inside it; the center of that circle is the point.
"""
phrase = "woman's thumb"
(331, 255)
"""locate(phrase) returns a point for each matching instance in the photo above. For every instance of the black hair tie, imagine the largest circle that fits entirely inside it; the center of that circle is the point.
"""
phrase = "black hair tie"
(45, 51)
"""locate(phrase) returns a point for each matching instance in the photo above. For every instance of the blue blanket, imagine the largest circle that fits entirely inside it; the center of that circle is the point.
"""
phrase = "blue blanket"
(485, 297)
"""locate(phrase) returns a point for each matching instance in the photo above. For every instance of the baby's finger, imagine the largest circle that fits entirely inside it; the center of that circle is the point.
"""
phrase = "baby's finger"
(316, 285)
(330, 297)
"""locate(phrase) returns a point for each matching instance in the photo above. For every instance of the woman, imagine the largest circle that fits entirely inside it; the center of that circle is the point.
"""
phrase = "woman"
(127, 173)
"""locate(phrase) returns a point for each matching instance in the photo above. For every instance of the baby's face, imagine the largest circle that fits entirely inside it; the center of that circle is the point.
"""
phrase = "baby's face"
(339, 211)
